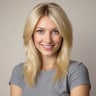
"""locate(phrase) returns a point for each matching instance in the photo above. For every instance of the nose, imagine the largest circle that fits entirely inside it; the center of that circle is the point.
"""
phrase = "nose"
(48, 37)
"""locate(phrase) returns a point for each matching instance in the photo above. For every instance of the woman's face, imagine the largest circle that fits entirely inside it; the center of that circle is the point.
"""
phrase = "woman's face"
(46, 37)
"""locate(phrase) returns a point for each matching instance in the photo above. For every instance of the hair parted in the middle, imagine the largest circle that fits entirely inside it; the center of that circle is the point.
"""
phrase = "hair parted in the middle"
(33, 63)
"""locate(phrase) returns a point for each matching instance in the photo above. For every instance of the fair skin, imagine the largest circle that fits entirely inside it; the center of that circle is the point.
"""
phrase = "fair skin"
(48, 41)
(15, 90)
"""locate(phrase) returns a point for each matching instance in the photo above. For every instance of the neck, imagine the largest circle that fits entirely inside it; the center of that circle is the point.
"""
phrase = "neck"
(48, 62)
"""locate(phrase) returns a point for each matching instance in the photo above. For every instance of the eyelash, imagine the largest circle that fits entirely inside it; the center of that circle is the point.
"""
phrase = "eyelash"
(42, 31)
(56, 31)
(39, 31)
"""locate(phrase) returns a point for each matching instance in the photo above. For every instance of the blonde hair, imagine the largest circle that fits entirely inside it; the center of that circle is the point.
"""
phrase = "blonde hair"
(33, 63)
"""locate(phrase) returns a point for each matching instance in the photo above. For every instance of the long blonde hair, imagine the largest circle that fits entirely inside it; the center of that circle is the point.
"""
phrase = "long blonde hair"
(33, 63)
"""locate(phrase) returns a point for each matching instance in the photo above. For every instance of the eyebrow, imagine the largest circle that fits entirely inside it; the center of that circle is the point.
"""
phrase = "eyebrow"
(44, 28)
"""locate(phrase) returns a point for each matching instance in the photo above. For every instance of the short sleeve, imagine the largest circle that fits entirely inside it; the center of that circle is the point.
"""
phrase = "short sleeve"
(17, 76)
(78, 75)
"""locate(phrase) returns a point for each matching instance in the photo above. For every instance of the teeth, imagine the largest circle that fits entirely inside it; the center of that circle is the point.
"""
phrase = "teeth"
(47, 46)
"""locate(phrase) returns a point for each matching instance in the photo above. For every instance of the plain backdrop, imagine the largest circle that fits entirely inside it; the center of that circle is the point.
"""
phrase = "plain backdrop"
(13, 13)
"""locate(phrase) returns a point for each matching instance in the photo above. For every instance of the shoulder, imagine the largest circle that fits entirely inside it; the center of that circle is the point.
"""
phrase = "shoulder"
(17, 71)
(77, 74)
(18, 68)
(17, 75)
(76, 65)
(77, 68)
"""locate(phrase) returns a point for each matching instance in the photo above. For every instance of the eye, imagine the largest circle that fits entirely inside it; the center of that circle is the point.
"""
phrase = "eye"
(55, 32)
(40, 31)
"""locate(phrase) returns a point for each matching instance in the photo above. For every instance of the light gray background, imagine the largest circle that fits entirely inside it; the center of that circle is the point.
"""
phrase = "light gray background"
(82, 14)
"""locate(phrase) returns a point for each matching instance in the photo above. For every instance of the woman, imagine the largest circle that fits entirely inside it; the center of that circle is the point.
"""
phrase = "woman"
(48, 70)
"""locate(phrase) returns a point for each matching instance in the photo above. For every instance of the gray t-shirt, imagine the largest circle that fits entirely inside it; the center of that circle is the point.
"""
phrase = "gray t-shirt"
(77, 75)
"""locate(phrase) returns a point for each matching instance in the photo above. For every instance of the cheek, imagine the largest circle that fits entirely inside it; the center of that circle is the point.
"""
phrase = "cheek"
(58, 39)
(36, 38)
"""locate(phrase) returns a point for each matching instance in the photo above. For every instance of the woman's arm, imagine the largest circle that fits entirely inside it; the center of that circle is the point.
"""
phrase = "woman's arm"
(15, 90)
(82, 90)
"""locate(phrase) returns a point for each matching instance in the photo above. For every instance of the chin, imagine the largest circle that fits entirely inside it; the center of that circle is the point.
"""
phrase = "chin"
(48, 54)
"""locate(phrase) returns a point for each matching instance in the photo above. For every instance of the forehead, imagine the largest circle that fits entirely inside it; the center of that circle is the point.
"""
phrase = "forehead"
(45, 21)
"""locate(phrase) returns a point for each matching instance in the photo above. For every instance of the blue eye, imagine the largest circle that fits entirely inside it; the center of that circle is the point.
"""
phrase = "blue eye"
(40, 31)
(55, 32)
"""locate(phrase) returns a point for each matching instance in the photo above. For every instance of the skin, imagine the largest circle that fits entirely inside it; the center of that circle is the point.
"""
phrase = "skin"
(15, 90)
(81, 90)
(48, 41)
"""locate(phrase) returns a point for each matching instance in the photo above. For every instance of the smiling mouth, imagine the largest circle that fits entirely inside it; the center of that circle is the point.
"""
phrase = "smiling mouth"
(48, 47)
